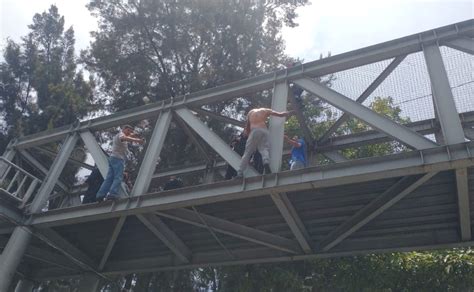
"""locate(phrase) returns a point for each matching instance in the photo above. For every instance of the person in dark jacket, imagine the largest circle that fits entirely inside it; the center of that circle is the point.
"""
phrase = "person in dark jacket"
(173, 183)
(94, 181)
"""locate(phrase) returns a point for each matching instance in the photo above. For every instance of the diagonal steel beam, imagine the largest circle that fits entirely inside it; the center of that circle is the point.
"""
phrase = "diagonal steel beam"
(112, 240)
(214, 141)
(462, 184)
(295, 105)
(232, 229)
(56, 241)
(463, 44)
(167, 236)
(9, 154)
(389, 127)
(219, 117)
(387, 199)
(385, 73)
(152, 154)
(289, 213)
(36, 164)
(193, 138)
(99, 156)
(53, 174)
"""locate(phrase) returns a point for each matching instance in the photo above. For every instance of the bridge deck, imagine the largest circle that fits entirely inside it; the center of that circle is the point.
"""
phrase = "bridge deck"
(424, 219)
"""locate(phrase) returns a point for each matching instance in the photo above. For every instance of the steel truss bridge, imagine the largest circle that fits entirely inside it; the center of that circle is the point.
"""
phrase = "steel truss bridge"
(419, 199)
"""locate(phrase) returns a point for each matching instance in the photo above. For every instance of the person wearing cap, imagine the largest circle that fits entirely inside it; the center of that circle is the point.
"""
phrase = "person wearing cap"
(110, 187)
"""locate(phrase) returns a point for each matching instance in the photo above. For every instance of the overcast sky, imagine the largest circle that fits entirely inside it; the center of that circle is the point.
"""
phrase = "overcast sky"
(330, 25)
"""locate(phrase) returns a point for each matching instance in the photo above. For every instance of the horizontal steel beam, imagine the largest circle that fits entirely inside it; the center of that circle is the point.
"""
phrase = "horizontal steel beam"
(372, 54)
(245, 256)
(362, 170)
(71, 160)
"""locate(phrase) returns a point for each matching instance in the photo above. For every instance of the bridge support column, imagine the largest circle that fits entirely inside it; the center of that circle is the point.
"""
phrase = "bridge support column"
(89, 283)
(11, 256)
(24, 286)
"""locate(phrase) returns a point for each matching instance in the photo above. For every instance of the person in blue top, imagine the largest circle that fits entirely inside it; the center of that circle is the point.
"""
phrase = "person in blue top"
(298, 152)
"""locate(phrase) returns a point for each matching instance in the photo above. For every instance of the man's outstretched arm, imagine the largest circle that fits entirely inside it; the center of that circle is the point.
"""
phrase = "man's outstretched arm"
(281, 114)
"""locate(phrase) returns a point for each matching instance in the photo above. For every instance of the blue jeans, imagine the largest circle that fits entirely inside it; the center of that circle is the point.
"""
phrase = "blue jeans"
(113, 180)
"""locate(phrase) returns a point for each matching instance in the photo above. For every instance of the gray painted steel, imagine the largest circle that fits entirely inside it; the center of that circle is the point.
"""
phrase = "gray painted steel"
(465, 45)
(346, 208)
(24, 286)
(377, 121)
(385, 73)
(52, 177)
(12, 255)
(409, 163)
(372, 54)
(152, 154)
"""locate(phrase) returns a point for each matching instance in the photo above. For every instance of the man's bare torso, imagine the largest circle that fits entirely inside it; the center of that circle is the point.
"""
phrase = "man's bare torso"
(257, 117)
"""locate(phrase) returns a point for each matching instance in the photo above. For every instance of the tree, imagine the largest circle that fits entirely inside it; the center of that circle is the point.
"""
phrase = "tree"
(41, 87)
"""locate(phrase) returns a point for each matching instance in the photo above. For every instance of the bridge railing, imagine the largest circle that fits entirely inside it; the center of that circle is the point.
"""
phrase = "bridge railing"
(17, 183)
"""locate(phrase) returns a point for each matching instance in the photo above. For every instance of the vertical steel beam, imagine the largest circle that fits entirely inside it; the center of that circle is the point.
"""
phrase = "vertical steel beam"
(24, 285)
(54, 172)
(451, 128)
(99, 156)
(462, 184)
(147, 169)
(277, 125)
(277, 129)
(377, 121)
(385, 73)
(214, 141)
(443, 97)
(12, 255)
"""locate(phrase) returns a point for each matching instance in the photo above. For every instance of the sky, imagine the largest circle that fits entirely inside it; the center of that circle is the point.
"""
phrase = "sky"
(334, 26)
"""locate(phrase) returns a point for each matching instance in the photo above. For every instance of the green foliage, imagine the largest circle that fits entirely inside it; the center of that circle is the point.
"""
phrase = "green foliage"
(41, 87)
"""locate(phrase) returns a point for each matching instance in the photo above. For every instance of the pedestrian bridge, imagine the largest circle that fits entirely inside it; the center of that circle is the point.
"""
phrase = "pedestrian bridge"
(420, 197)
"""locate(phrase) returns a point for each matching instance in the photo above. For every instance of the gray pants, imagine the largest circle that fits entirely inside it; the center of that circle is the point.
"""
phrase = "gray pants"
(259, 139)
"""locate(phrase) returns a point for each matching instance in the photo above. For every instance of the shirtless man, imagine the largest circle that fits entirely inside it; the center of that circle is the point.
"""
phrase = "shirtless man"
(258, 137)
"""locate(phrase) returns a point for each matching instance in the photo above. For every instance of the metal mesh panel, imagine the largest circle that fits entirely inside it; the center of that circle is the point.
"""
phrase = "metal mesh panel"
(460, 69)
(409, 86)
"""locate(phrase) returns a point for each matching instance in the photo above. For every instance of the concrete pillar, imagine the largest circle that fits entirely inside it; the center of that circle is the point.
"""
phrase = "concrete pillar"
(11, 256)
(24, 286)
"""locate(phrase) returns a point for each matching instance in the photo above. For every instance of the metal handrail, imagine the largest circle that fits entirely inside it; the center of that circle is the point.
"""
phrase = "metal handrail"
(19, 168)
